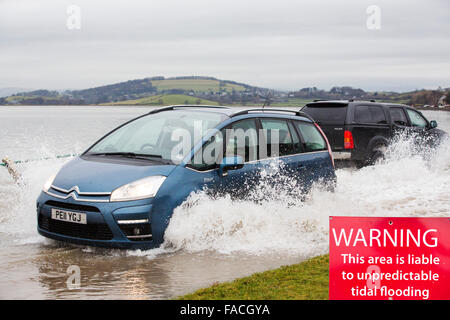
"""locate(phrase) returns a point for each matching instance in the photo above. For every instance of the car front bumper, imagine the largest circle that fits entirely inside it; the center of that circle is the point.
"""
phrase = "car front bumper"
(126, 224)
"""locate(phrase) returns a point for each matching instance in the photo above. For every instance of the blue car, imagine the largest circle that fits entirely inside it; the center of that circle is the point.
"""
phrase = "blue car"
(122, 191)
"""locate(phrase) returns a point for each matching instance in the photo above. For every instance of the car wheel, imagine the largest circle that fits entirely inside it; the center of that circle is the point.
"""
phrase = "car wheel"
(377, 153)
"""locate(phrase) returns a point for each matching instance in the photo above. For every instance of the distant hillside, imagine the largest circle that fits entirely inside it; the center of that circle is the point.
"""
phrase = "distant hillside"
(114, 92)
(208, 90)
(5, 92)
(203, 88)
(165, 100)
(418, 98)
(197, 85)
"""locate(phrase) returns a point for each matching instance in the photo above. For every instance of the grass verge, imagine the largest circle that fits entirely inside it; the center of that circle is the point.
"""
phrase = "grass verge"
(304, 281)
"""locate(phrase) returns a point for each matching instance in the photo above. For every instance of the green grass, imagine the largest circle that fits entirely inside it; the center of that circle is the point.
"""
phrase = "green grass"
(197, 85)
(164, 100)
(14, 98)
(304, 281)
(24, 98)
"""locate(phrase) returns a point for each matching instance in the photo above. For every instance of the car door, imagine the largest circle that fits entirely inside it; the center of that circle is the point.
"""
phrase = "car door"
(315, 161)
(420, 127)
(399, 120)
(240, 139)
(418, 122)
(369, 121)
(280, 156)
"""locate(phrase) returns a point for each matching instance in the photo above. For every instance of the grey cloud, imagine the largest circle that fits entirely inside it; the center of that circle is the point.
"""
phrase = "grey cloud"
(284, 44)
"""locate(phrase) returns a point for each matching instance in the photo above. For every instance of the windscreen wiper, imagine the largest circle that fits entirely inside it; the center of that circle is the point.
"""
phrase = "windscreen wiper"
(133, 155)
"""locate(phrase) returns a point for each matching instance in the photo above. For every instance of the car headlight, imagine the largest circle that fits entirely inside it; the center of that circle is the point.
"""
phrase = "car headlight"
(140, 189)
(48, 183)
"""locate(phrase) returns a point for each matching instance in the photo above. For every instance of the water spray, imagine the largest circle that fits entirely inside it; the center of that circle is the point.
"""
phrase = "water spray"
(14, 172)
(10, 165)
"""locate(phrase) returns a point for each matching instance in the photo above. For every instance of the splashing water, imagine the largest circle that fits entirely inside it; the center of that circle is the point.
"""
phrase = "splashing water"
(274, 228)
(18, 218)
(410, 181)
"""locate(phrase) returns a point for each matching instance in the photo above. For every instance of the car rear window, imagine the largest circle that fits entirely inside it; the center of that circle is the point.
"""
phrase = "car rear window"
(327, 112)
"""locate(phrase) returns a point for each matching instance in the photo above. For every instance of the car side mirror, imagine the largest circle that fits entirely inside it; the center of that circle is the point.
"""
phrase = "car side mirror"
(433, 124)
(230, 163)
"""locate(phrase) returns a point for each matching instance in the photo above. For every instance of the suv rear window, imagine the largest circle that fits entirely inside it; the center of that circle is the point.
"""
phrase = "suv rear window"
(369, 114)
(327, 112)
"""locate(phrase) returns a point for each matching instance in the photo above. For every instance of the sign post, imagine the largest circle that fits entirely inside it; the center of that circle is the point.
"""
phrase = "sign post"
(375, 258)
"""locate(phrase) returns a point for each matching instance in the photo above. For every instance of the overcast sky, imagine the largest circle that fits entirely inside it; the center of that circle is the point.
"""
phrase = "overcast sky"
(282, 44)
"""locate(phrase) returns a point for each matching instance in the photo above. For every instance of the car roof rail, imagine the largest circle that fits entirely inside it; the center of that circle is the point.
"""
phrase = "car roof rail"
(185, 106)
(247, 111)
(318, 100)
(352, 100)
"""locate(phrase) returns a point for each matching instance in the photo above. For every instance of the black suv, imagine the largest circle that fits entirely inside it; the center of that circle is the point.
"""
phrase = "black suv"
(364, 128)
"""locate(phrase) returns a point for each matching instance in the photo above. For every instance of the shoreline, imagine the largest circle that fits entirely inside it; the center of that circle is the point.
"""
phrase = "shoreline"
(159, 106)
(307, 280)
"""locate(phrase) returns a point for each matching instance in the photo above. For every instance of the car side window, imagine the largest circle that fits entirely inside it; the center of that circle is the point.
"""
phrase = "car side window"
(398, 116)
(278, 140)
(241, 139)
(298, 147)
(208, 157)
(416, 119)
(370, 114)
(313, 138)
(238, 139)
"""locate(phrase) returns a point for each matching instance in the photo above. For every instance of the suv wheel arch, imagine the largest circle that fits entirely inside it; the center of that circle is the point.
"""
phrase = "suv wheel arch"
(376, 149)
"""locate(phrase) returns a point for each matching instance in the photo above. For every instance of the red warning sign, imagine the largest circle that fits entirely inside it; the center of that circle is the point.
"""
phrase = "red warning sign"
(373, 258)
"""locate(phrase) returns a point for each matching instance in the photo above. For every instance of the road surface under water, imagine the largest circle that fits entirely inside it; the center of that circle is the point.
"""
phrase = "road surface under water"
(208, 240)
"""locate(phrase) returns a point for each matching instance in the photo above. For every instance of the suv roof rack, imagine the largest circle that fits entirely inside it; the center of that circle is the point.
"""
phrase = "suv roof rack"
(352, 100)
(318, 100)
(185, 106)
(297, 113)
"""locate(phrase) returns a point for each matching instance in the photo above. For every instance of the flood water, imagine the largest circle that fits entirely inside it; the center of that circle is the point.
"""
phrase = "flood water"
(209, 240)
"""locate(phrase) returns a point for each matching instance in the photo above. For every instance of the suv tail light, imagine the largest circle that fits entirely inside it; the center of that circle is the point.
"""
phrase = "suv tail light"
(348, 140)
(328, 144)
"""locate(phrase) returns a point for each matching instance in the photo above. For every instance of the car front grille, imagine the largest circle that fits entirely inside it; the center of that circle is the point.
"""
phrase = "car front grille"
(85, 231)
(71, 206)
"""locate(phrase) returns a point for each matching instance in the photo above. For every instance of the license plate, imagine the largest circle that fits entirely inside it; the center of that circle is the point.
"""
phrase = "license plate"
(63, 215)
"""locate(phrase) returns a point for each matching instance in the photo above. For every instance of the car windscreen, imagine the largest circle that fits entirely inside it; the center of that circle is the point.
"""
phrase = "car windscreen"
(327, 112)
(168, 135)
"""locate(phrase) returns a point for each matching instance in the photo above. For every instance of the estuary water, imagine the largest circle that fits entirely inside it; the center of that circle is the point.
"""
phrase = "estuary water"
(208, 240)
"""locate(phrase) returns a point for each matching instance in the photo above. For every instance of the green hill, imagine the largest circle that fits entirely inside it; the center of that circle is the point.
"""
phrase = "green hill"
(196, 85)
(208, 90)
(186, 89)
(164, 100)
